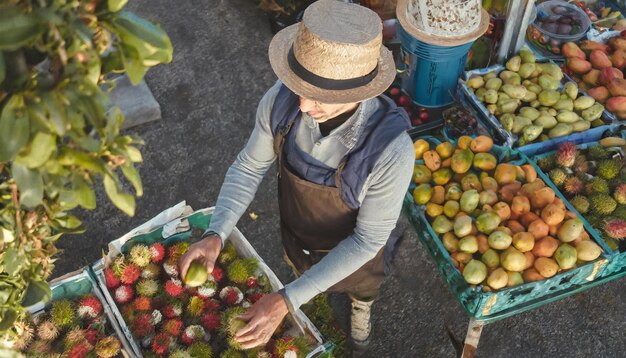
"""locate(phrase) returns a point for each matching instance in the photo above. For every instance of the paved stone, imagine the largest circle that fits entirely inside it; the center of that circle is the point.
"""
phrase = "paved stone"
(208, 96)
(136, 102)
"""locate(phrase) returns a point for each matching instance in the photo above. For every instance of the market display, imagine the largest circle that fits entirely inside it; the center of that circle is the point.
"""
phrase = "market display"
(598, 68)
(197, 315)
(593, 178)
(70, 328)
(531, 101)
(602, 14)
(501, 224)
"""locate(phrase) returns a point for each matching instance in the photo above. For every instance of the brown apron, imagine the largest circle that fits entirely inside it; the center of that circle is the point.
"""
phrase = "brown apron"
(314, 219)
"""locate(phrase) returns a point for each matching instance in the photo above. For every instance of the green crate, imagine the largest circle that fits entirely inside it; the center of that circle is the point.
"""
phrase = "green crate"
(182, 229)
(492, 306)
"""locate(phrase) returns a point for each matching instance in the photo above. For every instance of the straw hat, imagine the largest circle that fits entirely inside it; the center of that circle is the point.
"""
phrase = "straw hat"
(335, 55)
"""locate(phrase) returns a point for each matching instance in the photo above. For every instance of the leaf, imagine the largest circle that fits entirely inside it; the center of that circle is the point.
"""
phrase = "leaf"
(149, 40)
(83, 193)
(68, 221)
(71, 157)
(30, 184)
(134, 154)
(2, 68)
(131, 173)
(115, 118)
(13, 261)
(14, 128)
(9, 315)
(116, 5)
(6, 235)
(16, 28)
(55, 110)
(135, 71)
(121, 200)
(41, 148)
(37, 291)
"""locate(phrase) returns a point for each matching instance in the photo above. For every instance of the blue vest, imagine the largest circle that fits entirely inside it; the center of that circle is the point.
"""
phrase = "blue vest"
(385, 125)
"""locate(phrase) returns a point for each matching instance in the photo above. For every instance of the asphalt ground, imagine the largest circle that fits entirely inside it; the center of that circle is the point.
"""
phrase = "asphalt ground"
(208, 96)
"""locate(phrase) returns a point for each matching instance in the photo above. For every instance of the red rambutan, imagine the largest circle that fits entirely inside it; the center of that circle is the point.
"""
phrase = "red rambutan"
(171, 267)
(251, 282)
(157, 251)
(218, 273)
(142, 326)
(172, 310)
(174, 287)
(211, 321)
(254, 297)
(112, 281)
(212, 305)
(231, 295)
(92, 336)
(89, 307)
(192, 334)
(123, 294)
(142, 303)
(130, 274)
(173, 327)
(161, 343)
(80, 350)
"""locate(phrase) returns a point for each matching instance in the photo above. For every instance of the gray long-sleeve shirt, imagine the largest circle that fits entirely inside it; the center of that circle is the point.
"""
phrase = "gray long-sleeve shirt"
(380, 198)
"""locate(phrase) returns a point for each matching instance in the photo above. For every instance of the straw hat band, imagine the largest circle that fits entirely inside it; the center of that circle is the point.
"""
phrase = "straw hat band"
(333, 59)
(328, 83)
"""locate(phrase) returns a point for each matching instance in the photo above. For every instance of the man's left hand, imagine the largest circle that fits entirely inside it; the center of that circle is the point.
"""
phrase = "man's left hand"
(263, 318)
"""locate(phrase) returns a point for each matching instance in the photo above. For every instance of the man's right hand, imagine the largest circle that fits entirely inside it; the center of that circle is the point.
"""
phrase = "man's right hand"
(206, 251)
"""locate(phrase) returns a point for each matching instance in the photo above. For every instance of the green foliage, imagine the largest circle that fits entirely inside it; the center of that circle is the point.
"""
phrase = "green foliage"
(321, 314)
(57, 136)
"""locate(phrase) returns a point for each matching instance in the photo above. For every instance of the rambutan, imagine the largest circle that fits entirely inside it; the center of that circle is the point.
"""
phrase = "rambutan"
(48, 330)
(157, 252)
(172, 310)
(142, 326)
(170, 266)
(192, 334)
(147, 287)
(231, 295)
(290, 347)
(108, 347)
(566, 155)
(211, 321)
(156, 317)
(142, 303)
(40, 348)
(200, 350)
(73, 337)
(239, 270)
(177, 250)
(174, 287)
(179, 353)
(161, 343)
(232, 353)
(616, 229)
(118, 265)
(620, 194)
(62, 313)
(123, 294)
(217, 273)
(80, 350)
(231, 324)
(254, 297)
(89, 307)
(150, 272)
(207, 289)
(573, 185)
(195, 306)
(173, 326)
(580, 165)
(265, 283)
(228, 254)
(25, 334)
(130, 274)
(251, 282)
(92, 335)
(111, 279)
(212, 305)
(140, 255)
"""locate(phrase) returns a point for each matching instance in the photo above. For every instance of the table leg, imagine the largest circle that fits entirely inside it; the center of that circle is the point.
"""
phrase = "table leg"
(474, 329)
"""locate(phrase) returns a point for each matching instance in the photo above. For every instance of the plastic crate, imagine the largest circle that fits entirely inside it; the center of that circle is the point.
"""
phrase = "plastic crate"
(511, 139)
(178, 224)
(491, 306)
(74, 285)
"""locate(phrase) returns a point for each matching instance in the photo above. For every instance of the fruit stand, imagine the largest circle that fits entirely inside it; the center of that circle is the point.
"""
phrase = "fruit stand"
(519, 186)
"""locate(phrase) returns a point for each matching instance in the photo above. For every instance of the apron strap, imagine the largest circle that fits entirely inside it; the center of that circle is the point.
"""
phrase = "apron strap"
(279, 141)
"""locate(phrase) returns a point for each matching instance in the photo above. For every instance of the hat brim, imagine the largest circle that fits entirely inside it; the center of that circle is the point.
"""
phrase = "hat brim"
(279, 50)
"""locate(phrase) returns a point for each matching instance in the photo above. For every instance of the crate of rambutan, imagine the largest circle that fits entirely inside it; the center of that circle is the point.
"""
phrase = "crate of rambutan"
(164, 314)
(76, 322)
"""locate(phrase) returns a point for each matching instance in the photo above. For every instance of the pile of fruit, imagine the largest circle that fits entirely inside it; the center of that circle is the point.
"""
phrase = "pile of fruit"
(529, 101)
(70, 329)
(501, 224)
(459, 121)
(594, 181)
(417, 114)
(602, 15)
(197, 316)
(598, 68)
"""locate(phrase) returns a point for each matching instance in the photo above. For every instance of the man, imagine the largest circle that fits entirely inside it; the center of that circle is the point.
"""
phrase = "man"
(344, 161)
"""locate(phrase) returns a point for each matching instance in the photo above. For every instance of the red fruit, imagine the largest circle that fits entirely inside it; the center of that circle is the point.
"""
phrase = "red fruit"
(142, 304)
(618, 58)
(157, 252)
(142, 326)
(608, 74)
(123, 294)
(253, 298)
(394, 91)
(211, 321)
(599, 59)
(623, 33)
(231, 295)
(161, 344)
(171, 311)
(589, 45)
(616, 104)
(578, 66)
(600, 94)
(173, 327)
(80, 350)
(174, 287)
(570, 49)
(616, 228)
(92, 336)
(112, 281)
(416, 122)
(130, 274)
(251, 282)
(89, 307)
(617, 87)
(218, 274)
(424, 116)
(404, 100)
(212, 305)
